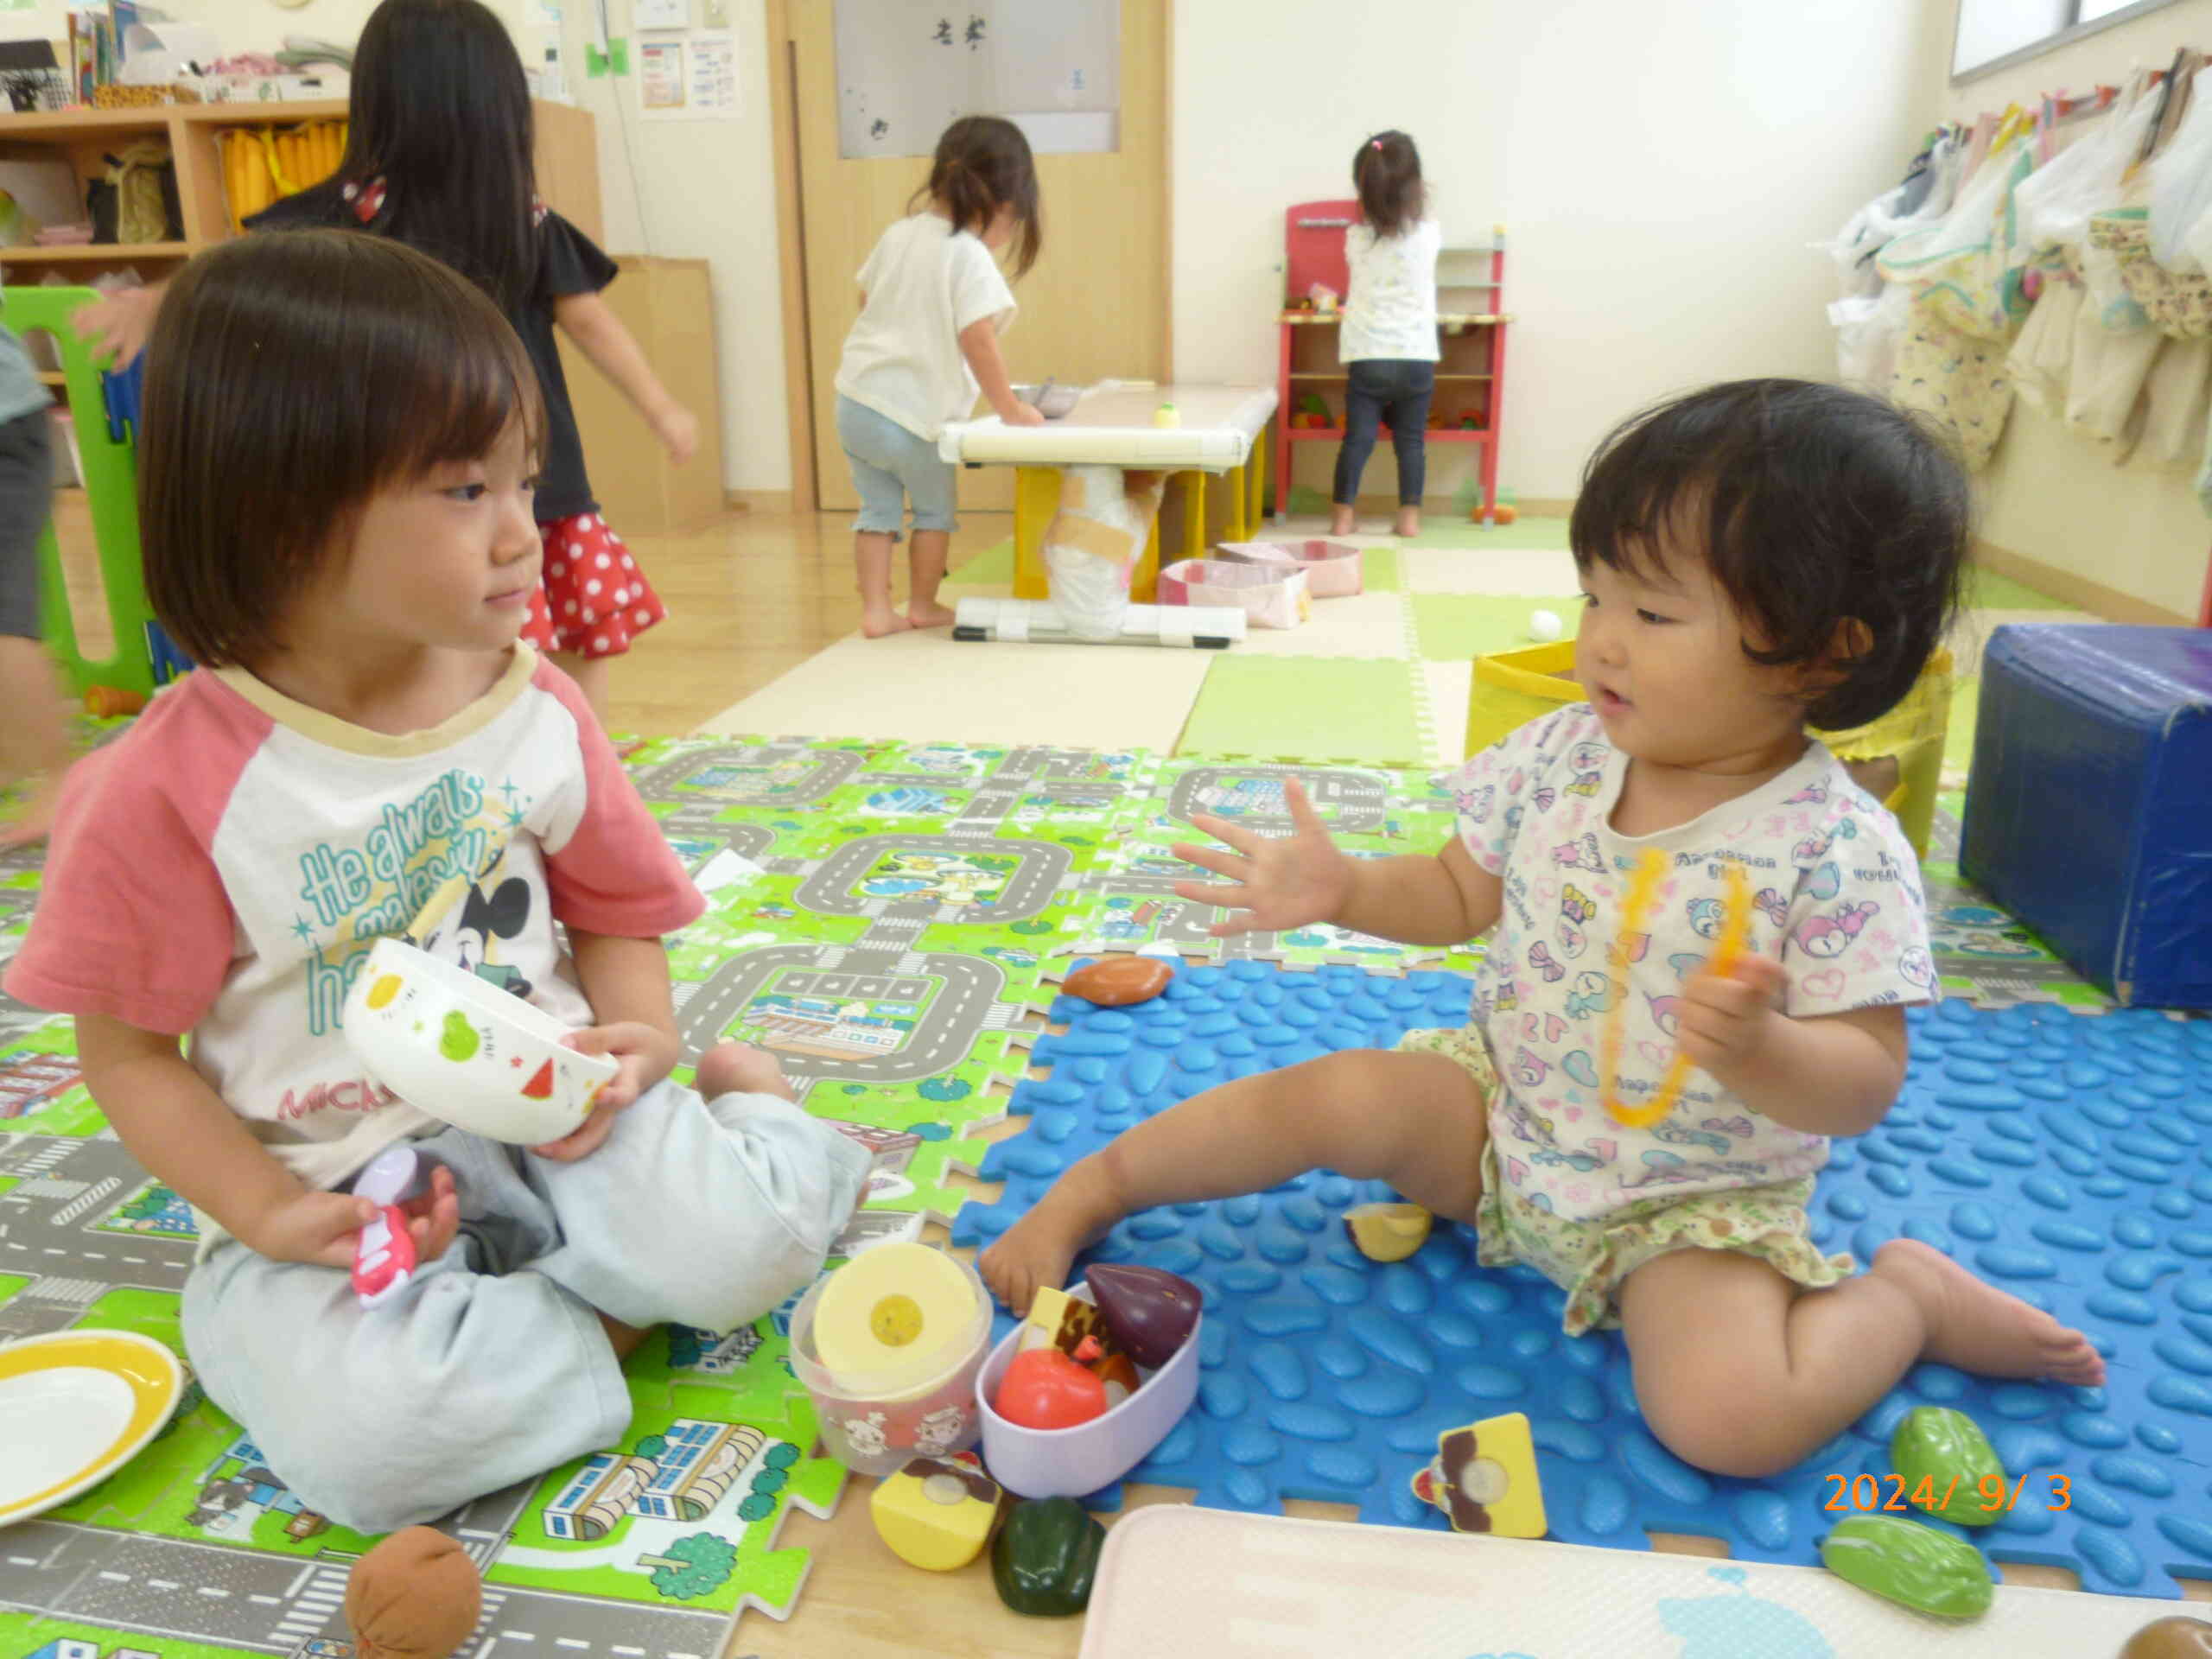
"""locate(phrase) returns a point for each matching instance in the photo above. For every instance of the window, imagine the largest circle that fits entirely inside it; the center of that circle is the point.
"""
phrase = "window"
(1994, 34)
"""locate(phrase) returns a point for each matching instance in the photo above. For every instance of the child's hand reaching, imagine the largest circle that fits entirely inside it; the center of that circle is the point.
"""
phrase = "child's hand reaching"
(645, 1054)
(1274, 884)
(1023, 415)
(1726, 1021)
(322, 1228)
(677, 429)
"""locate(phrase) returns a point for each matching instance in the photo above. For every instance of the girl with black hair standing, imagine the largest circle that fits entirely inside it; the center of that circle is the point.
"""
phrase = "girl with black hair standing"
(438, 156)
(1388, 343)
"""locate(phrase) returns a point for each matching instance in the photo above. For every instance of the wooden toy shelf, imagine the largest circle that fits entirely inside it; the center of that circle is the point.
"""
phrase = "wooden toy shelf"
(566, 164)
(1470, 345)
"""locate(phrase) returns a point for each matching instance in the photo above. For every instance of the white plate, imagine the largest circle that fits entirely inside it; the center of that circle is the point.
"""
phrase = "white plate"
(75, 1406)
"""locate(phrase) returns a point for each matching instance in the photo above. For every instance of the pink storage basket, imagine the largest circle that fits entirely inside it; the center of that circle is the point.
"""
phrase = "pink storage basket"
(1332, 570)
(1270, 596)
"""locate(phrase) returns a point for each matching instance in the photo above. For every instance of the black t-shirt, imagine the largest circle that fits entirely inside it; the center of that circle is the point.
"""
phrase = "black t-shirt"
(569, 262)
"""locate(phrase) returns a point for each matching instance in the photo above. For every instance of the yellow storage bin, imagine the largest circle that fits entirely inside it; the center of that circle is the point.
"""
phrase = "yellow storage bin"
(1512, 688)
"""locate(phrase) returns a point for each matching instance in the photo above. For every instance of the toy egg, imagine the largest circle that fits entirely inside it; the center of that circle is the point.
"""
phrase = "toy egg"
(466, 1050)
(1544, 626)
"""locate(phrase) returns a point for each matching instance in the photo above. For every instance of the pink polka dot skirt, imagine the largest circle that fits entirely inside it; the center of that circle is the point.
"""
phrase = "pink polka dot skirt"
(592, 599)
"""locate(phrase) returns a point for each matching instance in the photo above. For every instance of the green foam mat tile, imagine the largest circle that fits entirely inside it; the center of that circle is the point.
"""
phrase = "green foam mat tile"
(1460, 627)
(992, 567)
(1337, 709)
(1986, 590)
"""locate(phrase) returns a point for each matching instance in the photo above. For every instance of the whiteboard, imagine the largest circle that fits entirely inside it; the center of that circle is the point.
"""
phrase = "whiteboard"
(908, 69)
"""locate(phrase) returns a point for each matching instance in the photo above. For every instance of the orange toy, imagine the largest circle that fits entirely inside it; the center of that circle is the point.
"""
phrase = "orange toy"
(1642, 888)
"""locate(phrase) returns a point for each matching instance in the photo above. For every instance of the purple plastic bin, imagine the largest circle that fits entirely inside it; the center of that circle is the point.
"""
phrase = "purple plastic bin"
(1074, 1462)
(1333, 569)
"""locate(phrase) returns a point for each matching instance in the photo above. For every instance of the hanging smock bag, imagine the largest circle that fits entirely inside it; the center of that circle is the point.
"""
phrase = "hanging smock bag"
(1967, 304)
(1963, 270)
(2177, 303)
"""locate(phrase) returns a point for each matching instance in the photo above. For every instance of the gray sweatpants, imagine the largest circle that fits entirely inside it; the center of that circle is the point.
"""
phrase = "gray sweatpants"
(493, 1367)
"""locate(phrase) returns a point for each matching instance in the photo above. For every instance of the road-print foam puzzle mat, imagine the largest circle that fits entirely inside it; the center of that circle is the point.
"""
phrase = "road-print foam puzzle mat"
(890, 918)
(2068, 1159)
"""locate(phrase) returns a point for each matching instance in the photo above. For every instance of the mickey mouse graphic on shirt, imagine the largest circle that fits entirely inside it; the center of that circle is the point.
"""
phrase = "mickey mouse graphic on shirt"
(470, 932)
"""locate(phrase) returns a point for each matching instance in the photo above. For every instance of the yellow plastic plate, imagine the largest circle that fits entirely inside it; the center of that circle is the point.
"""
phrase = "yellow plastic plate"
(75, 1406)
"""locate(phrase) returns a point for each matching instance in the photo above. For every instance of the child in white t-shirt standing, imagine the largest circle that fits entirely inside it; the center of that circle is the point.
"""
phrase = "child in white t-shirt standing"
(933, 304)
(1388, 343)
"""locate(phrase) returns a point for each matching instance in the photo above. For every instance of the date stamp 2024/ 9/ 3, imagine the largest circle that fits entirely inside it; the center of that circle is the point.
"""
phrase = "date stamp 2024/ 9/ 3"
(1990, 1495)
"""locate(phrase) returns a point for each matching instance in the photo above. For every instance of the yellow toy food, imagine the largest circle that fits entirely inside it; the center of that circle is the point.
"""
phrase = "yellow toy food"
(1483, 1477)
(1387, 1232)
(938, 1513)
(901, 1310)
(1167, 415)
(1059, 1320)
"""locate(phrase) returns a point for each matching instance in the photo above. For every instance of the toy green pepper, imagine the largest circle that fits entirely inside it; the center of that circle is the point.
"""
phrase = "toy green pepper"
(1045, 1555)
(1927, 1571)
(1948, 1467)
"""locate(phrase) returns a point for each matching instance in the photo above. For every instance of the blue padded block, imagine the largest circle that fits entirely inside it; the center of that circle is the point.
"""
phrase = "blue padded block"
(2066, 1157)
(2090, 817)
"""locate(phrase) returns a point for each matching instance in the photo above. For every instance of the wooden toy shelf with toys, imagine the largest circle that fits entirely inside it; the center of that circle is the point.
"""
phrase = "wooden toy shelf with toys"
(1470, 346)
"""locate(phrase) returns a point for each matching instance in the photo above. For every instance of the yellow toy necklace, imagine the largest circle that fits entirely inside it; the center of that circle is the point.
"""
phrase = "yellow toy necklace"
(1735, 926)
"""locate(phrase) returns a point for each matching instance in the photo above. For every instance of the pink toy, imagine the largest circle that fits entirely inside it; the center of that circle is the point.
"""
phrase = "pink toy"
(1332, 568)
(1270, 596)
(384, 1259)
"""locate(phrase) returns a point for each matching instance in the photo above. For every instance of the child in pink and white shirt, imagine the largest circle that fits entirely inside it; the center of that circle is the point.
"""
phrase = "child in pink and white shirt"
(335, 507)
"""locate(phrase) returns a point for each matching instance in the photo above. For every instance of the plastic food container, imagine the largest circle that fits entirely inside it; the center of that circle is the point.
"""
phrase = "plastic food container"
(1072, 1462)
(878, 1425)
(1333, 569)
(463, 1049)
(1270, 596)
(1051, 401)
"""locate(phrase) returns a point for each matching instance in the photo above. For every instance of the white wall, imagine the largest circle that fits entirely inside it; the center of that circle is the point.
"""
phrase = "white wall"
(1660, 168)
(2049, 495)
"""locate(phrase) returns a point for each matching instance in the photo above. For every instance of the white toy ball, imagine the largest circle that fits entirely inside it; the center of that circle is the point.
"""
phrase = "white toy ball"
(1545, 626)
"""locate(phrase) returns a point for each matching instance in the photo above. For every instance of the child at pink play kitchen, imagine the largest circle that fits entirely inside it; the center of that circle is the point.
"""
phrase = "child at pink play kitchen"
(1388, 339)
(335, 502)
(1755, 558)
(933, 304)
(438, 156)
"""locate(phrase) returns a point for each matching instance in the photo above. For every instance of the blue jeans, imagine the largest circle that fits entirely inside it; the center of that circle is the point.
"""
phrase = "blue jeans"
(1392, 388)
(891, 466)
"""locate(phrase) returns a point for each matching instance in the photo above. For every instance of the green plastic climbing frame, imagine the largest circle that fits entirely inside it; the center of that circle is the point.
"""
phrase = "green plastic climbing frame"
(110, 473)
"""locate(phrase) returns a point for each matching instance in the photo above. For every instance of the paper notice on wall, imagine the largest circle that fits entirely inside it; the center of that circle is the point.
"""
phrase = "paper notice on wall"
(661, 77)
(691, 79)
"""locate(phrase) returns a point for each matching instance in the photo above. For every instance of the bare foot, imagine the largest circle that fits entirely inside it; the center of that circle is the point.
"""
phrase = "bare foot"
(1408, 522)
(1978, 1328)
(35, 822)
(1037, 1249)
(876, 624)
(740, 1069)
(1341, 521)
(928, 616)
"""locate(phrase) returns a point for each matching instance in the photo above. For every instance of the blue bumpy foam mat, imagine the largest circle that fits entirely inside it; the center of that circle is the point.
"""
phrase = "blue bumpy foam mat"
(2067, 1158)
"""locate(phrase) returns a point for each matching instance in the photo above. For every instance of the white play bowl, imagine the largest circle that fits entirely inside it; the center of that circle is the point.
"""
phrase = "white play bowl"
(1052, 402)
(462, 1049)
